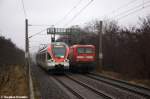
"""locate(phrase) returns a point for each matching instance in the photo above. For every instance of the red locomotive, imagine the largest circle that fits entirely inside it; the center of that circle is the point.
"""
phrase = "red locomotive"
(82, 57)
(54, 56)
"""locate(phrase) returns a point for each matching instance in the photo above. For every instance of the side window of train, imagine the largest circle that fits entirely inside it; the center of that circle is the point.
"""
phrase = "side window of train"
(48, 56)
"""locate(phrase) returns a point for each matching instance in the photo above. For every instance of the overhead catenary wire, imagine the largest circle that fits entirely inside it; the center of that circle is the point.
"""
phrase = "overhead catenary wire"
(35, 41)
(78, 13)
(38, 33)
(85, 8)
(126, 11)
(133, 12)
(24, 10)
(123, 6)
(56, 22)
(70, 11)
(39, 25)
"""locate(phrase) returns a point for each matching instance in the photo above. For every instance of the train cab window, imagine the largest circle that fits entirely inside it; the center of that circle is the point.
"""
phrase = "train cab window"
(59, 51)
(85, 50)
(89, 50)
(81, 50)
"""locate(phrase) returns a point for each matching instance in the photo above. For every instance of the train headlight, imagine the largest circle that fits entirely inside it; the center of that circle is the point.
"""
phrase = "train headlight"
(80, 56)
(66, 64)
(52, 60)
(66, 60)
(90, 57)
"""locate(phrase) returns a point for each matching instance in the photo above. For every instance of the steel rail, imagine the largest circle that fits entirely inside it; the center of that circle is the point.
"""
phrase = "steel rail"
(106, 96)
(143, 91)
(70, 89)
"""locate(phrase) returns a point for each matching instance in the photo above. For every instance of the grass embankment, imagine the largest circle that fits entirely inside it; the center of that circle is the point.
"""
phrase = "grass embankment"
(142, 81)
(13, 81)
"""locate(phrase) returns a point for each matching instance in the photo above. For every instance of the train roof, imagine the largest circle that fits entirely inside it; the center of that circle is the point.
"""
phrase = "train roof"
(59, 43)
(79, 45)
(47, 45)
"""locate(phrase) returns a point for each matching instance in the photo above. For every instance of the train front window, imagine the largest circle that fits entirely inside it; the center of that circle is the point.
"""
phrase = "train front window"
(59, 51)
(89, 50)
(85, 50)
(81, 50)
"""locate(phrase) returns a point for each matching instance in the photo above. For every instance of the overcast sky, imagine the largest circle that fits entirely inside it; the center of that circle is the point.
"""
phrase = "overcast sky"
(51, 12)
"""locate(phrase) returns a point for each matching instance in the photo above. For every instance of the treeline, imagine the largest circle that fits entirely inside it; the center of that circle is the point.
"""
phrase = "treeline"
(125, 50)
(9, 53)
(13, 80)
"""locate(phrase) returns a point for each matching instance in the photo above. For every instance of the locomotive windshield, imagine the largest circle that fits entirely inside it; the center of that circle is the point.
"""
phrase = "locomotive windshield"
(85, 50)
(59, 51)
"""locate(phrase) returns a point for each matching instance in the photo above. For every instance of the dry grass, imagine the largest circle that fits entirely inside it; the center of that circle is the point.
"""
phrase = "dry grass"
(13, 82)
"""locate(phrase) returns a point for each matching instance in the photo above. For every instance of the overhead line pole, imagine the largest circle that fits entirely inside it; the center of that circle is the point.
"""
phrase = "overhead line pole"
(27, 51)
(26, 40)
(27, 57)
(100, 54)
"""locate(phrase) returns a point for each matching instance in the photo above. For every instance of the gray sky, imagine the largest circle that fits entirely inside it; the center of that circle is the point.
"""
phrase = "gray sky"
(52, 11)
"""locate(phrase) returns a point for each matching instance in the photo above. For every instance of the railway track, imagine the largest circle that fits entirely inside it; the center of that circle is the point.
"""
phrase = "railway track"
(70, 89)
(84, 91)
(139, 90)
(86, 86)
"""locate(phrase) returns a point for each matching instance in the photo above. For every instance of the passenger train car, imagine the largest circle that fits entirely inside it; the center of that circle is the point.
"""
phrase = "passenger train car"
(53, 56)
(82, 58)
